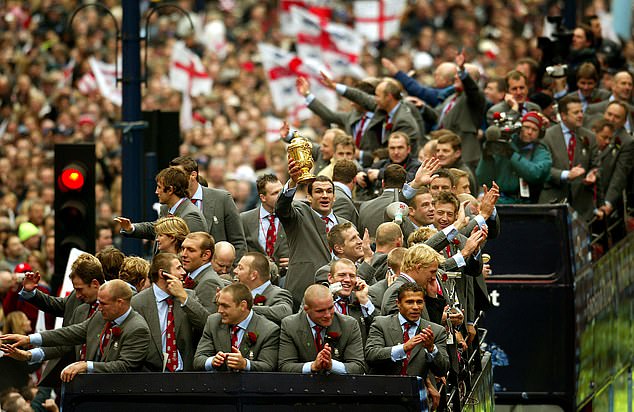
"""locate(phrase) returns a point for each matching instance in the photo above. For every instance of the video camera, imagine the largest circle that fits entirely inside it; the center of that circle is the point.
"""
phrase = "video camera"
(503, 127)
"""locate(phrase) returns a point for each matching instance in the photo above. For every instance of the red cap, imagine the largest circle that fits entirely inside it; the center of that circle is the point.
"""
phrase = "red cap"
(534, 118)
(23, 268)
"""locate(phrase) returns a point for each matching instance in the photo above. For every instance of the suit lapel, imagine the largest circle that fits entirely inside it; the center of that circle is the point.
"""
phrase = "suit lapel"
(224, 338)
(209, 207)
(153, 320)
(245, 344)
(320, 227)
(306, 336)
(179, 319)
(255, 222)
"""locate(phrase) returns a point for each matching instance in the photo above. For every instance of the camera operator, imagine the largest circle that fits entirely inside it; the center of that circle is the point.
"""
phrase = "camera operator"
(519, 163)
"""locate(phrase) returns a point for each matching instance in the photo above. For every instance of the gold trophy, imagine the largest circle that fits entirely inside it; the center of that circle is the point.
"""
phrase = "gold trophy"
(301, 151)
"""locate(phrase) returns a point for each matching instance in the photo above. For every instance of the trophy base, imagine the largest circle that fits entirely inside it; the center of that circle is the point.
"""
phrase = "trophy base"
(307, 178)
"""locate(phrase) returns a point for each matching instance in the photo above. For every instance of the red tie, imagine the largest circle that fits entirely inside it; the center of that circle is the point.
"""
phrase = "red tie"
(234, 335)
(326, 220)
(359, 133)
(319, 343)
(571, 148)
(438, 287)
(170, 338)
(448, 251)
(406, 327)
(343, 306)
(189, 283)
(271, 236)
(195, 202)
(91, 311)
(447, 110)
(106, 334)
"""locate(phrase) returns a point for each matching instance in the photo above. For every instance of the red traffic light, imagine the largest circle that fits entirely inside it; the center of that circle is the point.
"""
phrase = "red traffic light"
(72, 178)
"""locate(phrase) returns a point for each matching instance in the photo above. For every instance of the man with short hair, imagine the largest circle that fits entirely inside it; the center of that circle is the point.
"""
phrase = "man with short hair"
(263, 230)
(336, 345)
(269, 300)
(171, 189)
(399, 153)
(216, 205)
(306, 227)
(222, 260)
(344, 149)
(588, 90)
(515, 103)
(173, 314)
(196, 253)
(421, 208)
(343, 176)
(372, 212)
(350, 294)
(344, 242)
(418, 347)
(575, 160)
(104, 234)
(449, 154)
(116, 337)
(622, 86)
(237, 338)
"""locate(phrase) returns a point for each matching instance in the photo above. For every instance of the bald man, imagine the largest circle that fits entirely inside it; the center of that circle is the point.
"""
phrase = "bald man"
(319, 340)
(223, 258)
(117, 338)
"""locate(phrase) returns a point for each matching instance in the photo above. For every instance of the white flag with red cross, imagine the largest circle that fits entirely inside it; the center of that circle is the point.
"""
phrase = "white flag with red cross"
(378, 19)
(338, 46)
(288, 27)
(282, 69)
(106, 77)
(187, 72)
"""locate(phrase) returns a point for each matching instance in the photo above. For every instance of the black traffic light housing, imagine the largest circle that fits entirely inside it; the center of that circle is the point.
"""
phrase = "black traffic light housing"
(74, 203)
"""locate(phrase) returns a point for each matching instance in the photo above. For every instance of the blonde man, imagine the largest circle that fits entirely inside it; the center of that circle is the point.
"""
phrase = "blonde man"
(170, 233)
(134, 271)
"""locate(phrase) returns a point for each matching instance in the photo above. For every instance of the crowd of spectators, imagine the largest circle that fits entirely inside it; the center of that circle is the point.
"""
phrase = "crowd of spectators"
(43, 60)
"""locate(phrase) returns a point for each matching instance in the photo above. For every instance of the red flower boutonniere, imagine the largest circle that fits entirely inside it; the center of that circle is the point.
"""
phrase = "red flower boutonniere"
(116, 332)
(189, 283)
(617, 141)
(388, 127)
(333, 335)
(259, 300)
(497, 116)
(456, 241)
(253, 337)
(584, 139)
(444, 277)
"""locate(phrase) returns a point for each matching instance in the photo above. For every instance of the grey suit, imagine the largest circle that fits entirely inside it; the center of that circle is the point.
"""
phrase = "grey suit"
(186, 318)
(344, 206)
(207, 283)
(465, 118)
(616, 161)
(372, 212)
(595, 111)
(576, 193)
(251, 226)
(388, 304)
(307, 243)
(364, 271)
(386, 331)
(262, 353)
(123, 354)
(277, 306)
(223, 219)
(59, 357)
(297, 344)
(185, 210)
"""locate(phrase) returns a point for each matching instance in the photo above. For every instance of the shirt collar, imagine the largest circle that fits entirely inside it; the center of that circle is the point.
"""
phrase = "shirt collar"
(159, 293)
(402, 320)
(331, 216)
(369, 115)
(343, 187)
(260, 289)
(394, 109)
(119, 321)
(199, 193)
(173, 208)
(245, 323)
(196, 272)
(264, 214)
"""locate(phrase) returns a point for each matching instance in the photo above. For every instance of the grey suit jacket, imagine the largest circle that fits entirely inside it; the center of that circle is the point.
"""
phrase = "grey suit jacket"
(372, 212)
(307, 243)
(223, 219)
(388, 305)
(207, 283)
(364, 271)
(595, 111)
(465, 118)
(251, 226)
(297, 345)
(123, 354)
(344, 207)
(187, 318)
(376, 293)
(262, 353)
(586, 154)
(186, 210)
(616, 162)
(277, 306)
(386, 331)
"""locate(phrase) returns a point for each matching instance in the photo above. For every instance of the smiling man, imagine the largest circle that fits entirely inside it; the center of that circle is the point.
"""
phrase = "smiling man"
(336, 344)
(237, 338)
(306, 227)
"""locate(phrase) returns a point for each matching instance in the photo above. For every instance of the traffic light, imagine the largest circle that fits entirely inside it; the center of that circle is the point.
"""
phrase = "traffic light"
(74, 201)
